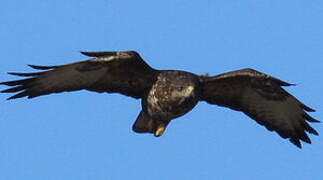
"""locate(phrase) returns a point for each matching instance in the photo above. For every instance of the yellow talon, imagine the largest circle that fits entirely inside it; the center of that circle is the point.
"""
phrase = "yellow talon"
(160, 130)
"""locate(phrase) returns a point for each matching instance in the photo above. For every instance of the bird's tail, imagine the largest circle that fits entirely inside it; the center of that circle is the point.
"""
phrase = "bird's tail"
(145, 124)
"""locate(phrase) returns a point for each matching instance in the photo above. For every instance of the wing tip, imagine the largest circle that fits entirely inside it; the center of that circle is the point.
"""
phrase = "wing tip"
(18, 95)
(25, 74)
(283, 83)
(306, 108)
(98, 53)
(296, 142)
(41, 67)
(310, 119)
(84, 53)
(314, 132)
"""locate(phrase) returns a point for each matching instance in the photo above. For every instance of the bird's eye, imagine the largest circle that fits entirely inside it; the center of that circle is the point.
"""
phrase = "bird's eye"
(181, 88)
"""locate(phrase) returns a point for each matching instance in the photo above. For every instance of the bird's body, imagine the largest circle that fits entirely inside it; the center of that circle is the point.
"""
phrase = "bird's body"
(173, 94)
(168, 94)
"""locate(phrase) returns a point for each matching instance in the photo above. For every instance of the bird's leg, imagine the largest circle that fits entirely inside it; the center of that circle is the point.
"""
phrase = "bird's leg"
(160, 129)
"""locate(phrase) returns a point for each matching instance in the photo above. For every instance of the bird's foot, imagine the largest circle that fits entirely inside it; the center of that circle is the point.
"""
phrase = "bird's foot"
(160, 130)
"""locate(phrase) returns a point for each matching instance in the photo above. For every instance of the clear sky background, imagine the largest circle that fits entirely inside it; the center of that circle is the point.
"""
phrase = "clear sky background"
(83, 135)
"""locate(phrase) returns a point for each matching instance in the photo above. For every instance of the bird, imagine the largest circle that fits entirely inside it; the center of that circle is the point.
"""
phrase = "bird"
(168, 94)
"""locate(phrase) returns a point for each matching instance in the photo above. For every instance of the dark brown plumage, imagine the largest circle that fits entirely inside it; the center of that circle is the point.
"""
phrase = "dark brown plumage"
(169, 94)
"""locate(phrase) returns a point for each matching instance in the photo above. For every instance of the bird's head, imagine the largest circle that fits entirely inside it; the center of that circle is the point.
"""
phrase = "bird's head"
(185, 88)
(184, 91)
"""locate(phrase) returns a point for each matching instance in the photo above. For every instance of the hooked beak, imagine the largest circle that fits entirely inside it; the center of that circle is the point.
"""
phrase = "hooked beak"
(190, 88)
(189, 91)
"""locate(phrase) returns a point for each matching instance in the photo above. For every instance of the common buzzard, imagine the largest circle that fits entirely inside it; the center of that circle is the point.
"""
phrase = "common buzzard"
(168, 94)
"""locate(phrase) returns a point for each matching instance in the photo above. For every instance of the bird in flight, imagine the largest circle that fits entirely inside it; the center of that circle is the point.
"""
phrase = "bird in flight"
(169, 94)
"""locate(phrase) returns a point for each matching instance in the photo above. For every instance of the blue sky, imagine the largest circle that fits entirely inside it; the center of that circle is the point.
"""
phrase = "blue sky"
(83, 135)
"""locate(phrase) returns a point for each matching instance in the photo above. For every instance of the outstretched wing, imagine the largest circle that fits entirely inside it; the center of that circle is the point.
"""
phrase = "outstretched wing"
(112, 72)
(261, 97)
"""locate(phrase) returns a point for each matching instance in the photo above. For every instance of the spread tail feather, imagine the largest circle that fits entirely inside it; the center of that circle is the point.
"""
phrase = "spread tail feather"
(144, 124)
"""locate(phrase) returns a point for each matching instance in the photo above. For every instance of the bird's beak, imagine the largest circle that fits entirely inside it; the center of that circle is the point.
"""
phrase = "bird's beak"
(190, 90)
(160, 130)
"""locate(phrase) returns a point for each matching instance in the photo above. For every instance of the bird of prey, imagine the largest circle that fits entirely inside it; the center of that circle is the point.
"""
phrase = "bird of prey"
(168, 94)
